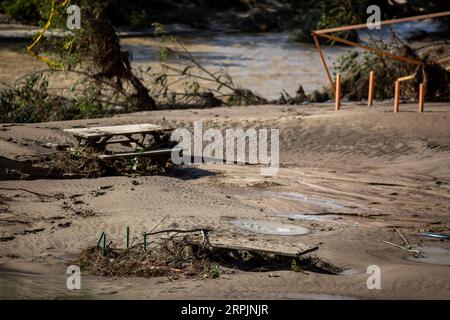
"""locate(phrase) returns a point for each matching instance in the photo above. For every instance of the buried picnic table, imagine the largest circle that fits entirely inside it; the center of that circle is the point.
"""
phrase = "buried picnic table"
(146, 139)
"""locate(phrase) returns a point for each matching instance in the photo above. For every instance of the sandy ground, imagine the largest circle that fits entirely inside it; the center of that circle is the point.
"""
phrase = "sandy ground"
(362, 169)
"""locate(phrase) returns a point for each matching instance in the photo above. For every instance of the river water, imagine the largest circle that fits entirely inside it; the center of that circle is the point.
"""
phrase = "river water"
(264, 63)
(267, 63)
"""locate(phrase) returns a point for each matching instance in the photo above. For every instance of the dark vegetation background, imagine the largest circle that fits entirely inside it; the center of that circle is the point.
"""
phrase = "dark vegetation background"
(298, 16)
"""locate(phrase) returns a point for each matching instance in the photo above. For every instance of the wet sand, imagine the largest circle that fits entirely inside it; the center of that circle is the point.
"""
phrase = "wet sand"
(346, 176)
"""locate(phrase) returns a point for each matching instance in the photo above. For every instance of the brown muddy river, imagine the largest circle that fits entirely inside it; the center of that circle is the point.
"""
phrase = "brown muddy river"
(263, 63)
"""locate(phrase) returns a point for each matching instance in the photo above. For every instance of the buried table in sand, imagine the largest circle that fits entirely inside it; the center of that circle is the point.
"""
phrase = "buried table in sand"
(150, 139)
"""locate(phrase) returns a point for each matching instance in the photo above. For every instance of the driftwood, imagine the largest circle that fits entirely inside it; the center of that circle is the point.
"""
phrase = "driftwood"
(256, 259)
(416, 252)
(177, 231)
(100, 132)
(401, 236)
(349, 214)
(213, 246)
(408, 245)
(139, 154)
(32, 192)
(263, 251)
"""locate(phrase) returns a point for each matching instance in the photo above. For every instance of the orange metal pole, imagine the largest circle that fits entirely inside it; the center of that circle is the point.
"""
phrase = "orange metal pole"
(386, 22)
(324, 61)
(338, 91)
(324, 33)
(397, 96)
(443, 60)
(421, 97)
(375, 50)
(371, 85)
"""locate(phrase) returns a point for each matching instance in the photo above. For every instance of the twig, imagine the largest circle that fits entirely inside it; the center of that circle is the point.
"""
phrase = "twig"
(178, 231)
(190, 75)
(215, 77)
(191, 58)
(401, 235)
(144, 234)
(308, 251)
(432, 44)
(32, 192)
(416, 252)
(159, 223)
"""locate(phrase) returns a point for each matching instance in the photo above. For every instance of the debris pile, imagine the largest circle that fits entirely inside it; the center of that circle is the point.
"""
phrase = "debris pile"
(190, 256)
(129, 155)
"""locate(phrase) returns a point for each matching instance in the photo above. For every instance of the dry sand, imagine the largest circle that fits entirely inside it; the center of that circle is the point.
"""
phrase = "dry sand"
(363, 169)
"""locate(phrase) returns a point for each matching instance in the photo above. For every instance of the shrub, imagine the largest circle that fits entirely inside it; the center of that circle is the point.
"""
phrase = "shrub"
(30, 102)
(25, 11)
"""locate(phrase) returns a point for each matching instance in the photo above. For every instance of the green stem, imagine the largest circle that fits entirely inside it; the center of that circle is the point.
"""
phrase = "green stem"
(128, 237)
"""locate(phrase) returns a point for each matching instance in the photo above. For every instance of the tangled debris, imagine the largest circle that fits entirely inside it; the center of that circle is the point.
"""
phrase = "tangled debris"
(187, 256)
(407, 246)
(85, 163)
(171, 258)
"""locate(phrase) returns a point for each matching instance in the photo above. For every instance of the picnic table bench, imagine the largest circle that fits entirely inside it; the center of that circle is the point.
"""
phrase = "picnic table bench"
(146, 139)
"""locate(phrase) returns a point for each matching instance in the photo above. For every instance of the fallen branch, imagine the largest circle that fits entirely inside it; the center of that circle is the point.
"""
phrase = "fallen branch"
(308, 251)
(401, 235)
(416, 252)
(177, 231)
(349, 214)
(262, 251)
(32, 192)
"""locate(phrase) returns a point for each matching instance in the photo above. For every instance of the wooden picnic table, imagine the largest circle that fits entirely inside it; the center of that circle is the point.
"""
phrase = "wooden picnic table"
(100, 137)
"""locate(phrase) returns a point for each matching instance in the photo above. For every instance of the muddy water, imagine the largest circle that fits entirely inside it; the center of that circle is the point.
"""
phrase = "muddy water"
(432, 255)
(264, 63)
(324, 204)
(271, 228)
